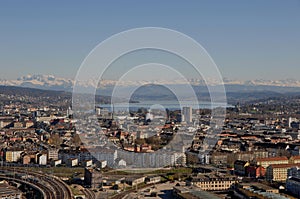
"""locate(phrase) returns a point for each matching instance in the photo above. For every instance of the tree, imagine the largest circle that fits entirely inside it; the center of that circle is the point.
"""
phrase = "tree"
(76, 140)
(153, 140)
(140, 141)
(55, 140)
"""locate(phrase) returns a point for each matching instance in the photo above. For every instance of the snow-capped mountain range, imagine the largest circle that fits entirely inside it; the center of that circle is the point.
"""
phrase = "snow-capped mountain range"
(50, 82)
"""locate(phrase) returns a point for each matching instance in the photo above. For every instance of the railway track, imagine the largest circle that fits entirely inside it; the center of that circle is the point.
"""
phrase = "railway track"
(45, 192)
(53, 187)
(89, 194)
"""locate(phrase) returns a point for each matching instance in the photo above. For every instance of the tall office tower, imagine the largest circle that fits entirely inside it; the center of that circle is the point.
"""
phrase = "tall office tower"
(69, 112)
(187, 114)
(98, 111)
(291, 120)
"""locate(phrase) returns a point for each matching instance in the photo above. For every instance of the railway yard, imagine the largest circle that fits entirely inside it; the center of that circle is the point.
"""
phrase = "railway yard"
(45, 186)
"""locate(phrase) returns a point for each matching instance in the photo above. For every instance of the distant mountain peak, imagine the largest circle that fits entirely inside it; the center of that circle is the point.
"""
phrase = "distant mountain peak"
(51, 82)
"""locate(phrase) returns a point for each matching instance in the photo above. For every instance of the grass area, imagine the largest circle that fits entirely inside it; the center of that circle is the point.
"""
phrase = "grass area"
(163, 180)
(179, 170)
(58, 171)
(118, 172)
(69, 172)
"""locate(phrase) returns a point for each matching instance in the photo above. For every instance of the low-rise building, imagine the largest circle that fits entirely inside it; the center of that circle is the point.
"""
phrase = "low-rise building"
(13, 155)
(260, 186)
(18, 125)
(53, 154)
(120, 163)
(293, 186)
(152, 179)
(72, 162)
(278, 172)
(41, 159)
(134, 180)
(240, 167)
(101, 164)
(212, 182)
(295, 160)
(254, 171)
(219, 158)
(110, 181)
(26, 159)
(192, 192)
(257, 190)
(29, 124)
(87, 163)
(92, 178)
(265, 162)
(56, 163)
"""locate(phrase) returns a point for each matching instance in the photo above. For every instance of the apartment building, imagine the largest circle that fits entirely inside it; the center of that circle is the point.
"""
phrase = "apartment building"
(278, 172)
(212, 182)
(265, 162)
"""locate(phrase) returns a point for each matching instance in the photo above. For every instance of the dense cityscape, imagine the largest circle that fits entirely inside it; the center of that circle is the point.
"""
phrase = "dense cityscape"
(43, 156)
(150, 99)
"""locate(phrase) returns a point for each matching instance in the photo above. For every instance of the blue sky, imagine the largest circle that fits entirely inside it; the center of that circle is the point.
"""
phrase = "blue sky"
(247, 39)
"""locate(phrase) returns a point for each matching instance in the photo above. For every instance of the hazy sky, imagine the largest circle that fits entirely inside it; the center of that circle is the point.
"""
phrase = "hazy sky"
(247, 39)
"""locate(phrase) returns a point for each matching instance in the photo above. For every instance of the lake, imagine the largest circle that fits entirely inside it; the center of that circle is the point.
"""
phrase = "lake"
(171, 105)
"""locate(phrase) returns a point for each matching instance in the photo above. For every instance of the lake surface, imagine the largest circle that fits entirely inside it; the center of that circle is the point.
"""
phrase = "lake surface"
(171, 105)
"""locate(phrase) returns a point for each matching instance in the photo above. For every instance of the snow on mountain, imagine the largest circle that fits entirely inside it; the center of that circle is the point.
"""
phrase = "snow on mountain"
(51, 82)
(40, 81)
(260, 82)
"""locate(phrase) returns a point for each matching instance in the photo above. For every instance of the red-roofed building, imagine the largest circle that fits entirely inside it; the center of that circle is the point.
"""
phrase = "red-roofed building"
(278, 172)
(295, 159)
(265, 162)
(256, 171)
